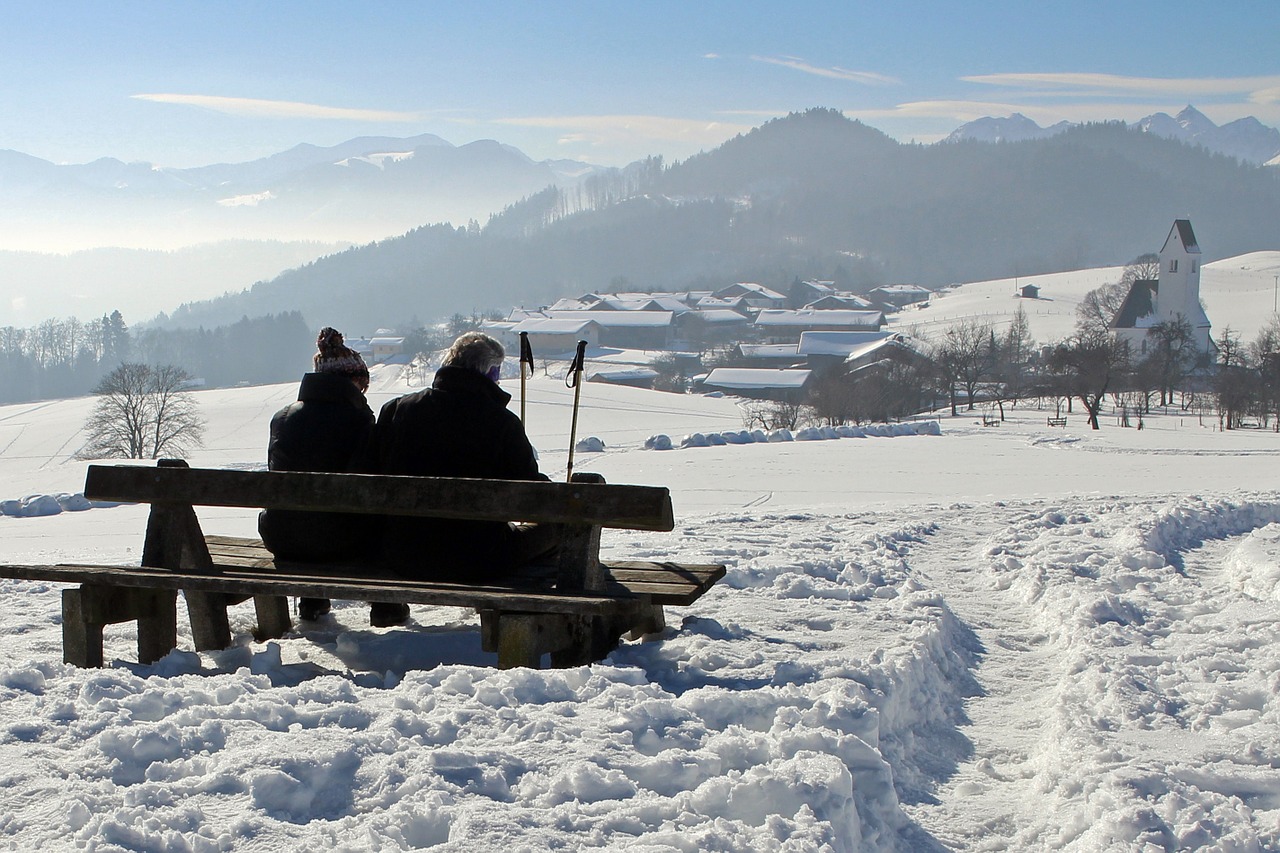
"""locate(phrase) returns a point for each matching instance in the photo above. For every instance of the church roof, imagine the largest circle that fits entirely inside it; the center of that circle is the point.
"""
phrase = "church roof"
(1188, 237)
(1140, 302)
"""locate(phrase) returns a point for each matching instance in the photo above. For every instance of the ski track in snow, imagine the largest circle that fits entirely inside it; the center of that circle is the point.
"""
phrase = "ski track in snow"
(1107, 635)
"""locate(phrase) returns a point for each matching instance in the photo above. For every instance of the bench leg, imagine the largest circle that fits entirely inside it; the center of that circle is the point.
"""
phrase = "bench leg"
(157, 623)
(519, 640)
(87, 610)
(81, 639)
(273, 616)
(651, 621)
(489, 630)
(210, 629)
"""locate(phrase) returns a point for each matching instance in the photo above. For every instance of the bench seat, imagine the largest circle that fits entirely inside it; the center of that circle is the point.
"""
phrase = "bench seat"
(575, 608)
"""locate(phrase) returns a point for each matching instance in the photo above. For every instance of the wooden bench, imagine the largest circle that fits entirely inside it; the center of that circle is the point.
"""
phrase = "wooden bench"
(1057, 422)
(576, 609)
(989, 420)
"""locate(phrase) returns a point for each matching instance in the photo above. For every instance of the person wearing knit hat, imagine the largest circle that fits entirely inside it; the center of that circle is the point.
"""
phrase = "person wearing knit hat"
(328, 429)
(334, 356)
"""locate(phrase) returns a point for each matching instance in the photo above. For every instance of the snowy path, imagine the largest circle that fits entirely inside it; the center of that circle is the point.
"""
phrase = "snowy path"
(986, 796)
(1110, 635)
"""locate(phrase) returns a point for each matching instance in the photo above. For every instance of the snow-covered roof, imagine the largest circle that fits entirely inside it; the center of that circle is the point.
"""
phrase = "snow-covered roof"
(745, 378)
(749, 288)
(892, 342)
(769, 350)
(838, 301)
(387, 342)
(720, 315)
(621, 374)
(902, 289)
(717, 302)
(630, 319)
(571, 304)
(810, 317)
(836, 343)
(551, 326)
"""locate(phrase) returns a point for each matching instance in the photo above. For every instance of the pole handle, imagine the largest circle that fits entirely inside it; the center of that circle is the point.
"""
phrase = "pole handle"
(574, 380)
(526, 357)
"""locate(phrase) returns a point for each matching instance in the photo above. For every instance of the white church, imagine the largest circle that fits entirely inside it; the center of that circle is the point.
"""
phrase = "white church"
(1175, 294)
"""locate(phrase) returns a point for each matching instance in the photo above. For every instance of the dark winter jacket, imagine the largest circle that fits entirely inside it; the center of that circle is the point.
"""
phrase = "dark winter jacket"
(459, 427)
(327, 429)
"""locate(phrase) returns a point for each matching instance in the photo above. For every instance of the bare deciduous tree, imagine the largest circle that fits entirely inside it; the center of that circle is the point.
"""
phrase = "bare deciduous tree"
(1086, 365)
(143, 412)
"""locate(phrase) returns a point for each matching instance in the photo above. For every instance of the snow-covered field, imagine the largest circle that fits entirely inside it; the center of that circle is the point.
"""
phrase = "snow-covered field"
(1239, 292)
(1014, 638)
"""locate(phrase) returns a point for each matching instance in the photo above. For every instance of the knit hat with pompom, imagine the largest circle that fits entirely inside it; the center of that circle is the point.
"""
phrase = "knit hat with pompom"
(334, 356)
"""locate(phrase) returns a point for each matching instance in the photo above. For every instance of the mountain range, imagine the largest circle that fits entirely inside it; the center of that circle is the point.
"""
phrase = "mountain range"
(361, 190)
(1247, 138)
(811, 195)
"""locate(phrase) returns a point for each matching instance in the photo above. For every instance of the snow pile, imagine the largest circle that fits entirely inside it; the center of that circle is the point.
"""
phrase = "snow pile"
(814, 685)
(33, 506)
(662, 441)
(1253, 566)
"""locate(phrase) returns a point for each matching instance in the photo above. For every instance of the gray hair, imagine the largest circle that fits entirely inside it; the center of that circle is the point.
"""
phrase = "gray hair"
(475, 351)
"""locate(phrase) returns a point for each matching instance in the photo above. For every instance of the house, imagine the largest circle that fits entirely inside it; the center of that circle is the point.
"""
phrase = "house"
(1174, 295)
(761, 383)
(752, 295)
(385, 346)
(804, 292)
(778, 355)
(627, 329)
(549, 336)
(900, 295)
(1029, 291)
(839, 302)
(782, 325)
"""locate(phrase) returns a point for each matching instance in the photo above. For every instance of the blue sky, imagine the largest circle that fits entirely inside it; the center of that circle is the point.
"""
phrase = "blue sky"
(191, 83)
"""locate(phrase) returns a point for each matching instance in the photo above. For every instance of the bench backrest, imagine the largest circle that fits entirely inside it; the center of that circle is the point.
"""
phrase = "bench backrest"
(601, 504)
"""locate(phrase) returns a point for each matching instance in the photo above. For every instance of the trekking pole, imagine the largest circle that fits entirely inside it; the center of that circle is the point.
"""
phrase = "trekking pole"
(526, 357)
(574, 380)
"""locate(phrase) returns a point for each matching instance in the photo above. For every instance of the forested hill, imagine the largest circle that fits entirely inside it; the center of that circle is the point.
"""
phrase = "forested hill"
(810, 195)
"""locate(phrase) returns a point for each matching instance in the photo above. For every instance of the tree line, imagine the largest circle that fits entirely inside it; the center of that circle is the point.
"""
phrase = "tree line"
(974, 365)
(69, 357)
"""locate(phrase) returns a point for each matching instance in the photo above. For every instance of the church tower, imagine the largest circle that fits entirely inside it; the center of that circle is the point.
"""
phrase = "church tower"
(1179, 289)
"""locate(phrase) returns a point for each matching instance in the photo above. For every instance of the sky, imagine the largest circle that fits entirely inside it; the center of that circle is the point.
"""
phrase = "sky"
(186, 84)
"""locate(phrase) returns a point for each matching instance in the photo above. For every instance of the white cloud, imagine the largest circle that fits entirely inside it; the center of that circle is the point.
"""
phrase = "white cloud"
(1118, 85)
(257, 108)
(868, 78)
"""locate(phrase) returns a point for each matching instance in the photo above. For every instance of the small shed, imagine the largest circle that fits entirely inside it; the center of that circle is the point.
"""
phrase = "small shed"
(1029, 291)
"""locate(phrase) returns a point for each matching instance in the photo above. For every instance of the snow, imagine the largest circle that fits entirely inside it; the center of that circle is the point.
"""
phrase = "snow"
(1238, 292)
(930, 636)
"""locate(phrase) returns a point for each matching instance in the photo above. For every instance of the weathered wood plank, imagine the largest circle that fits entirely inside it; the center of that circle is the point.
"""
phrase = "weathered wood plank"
(668, 583)
(607, 505)
(487, 597)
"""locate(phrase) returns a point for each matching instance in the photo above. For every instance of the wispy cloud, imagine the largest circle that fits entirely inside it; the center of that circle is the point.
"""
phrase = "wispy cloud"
(600, 130)
(835, 72)
(258, 108)
(1118, 85)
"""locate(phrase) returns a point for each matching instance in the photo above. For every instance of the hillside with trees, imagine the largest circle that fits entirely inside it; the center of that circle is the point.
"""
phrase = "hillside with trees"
(810, 195)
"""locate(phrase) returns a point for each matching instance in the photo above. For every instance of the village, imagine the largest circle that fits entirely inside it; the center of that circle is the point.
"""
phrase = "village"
(850, 357)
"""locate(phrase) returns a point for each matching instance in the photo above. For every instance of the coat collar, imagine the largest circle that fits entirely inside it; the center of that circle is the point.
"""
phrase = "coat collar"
(467, 381)
(331, 388)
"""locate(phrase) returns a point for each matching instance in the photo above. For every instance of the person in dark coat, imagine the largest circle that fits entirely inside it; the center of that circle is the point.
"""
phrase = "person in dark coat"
(328, 430)
(459, 427)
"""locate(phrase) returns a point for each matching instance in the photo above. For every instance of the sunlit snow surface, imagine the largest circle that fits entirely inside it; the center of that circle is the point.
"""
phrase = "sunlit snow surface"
(1014, 637)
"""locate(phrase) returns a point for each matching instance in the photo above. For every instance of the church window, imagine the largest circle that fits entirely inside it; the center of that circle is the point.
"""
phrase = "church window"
(1173, 265)
(1193, 266)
